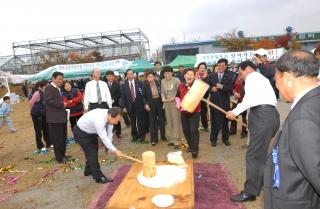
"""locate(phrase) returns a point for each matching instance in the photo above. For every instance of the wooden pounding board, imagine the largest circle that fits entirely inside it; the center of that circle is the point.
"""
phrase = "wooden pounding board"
(131, 193)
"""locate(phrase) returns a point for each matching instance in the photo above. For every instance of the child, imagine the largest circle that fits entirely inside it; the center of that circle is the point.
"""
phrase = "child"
(4, 114)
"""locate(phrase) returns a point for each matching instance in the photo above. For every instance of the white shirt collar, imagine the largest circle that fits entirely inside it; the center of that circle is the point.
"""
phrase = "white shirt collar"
(299, 96)
(54, 85)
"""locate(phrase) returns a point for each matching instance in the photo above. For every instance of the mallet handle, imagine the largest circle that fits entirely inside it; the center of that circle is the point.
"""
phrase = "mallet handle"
(222, 110)
(131, 158)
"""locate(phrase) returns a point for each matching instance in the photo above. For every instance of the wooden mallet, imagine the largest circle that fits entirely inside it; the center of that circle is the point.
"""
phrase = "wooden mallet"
(195, 96)
(131, 158)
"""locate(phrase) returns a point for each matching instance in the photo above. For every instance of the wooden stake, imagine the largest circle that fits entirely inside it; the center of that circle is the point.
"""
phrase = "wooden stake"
(149, 164)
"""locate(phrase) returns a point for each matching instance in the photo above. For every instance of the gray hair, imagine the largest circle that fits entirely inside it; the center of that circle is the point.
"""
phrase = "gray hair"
(298, 62)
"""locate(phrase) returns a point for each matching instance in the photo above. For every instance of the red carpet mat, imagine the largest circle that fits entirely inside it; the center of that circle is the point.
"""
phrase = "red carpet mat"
(213, 187)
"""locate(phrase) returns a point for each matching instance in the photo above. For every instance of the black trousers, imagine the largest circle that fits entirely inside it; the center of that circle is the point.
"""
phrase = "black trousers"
(218, 122)
(137, 129)
(233, 125)
(190, 125)
(103, 105)
(73, 120)
(117, 128)
(89, 145)
(145, 122)
(264, 121)
(204, 114)
(58, 136)
(40, 129)
(156, 120)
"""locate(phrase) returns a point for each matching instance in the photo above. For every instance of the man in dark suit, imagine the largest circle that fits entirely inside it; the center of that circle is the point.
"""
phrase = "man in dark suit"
(115, 91)
(56, 116)
(132, 102)
(221, 84)
(292, 173)
(159, 74)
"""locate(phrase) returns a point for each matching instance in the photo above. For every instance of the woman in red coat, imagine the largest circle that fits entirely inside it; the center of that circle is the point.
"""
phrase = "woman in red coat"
(73, 98)
(189, 120)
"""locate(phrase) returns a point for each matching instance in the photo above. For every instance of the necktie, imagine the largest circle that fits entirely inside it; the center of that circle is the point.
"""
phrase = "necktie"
(276, 175)
(133, 96)
(98, 93)
(219, 77)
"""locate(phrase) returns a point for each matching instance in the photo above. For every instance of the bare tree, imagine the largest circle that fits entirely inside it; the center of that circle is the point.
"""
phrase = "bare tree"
(172, 40)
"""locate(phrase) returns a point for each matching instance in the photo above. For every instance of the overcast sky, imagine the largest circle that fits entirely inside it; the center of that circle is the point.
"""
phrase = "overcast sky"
(160, 20)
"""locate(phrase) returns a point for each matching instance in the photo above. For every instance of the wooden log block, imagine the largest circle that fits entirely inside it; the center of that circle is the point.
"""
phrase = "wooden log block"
(149, 164)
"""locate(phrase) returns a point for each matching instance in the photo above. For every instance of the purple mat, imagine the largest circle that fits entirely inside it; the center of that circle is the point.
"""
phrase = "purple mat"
(213, 187)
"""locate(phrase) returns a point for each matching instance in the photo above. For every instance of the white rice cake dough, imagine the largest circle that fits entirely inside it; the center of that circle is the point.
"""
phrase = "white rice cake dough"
(166, 176)
(176, 158)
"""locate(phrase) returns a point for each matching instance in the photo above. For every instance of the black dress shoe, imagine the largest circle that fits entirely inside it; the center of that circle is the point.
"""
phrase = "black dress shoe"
(213, 144)
(63, 161)
(164, 139)
(232, 133)
(134, 141)
(104, 180)
(227, 143)
(244, 135)
(194, 155)
(243, 197)
(170, 144)
(87, 173)
(142, 141)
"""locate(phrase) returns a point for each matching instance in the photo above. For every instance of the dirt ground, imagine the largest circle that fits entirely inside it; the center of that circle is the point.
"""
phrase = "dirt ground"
(67, 188)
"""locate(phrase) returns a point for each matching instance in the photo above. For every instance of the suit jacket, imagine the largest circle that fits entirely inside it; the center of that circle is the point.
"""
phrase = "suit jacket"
(126, 96)
(159, 77)
(222, 96)
(55, 110)
(267, 71)
(147, 94)
(115, 91)
(299, 158)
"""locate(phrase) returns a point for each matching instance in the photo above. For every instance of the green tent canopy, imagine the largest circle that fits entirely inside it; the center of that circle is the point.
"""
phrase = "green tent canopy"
(185, 60)
(140, 66)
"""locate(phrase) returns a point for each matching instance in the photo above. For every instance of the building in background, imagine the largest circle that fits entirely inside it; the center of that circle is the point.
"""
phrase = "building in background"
(308, 40)
(122, 44)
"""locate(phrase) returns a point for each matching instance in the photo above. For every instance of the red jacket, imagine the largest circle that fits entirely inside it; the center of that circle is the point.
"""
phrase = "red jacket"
(238, 87)
(74, 102)
(182, 91)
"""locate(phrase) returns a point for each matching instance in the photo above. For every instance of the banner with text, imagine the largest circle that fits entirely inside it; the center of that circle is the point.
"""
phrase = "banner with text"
(237, 57)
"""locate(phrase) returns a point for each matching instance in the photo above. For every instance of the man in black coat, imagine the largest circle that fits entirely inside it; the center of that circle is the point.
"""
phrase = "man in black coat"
(115, 91)
(292, 173)
(159, 74)
(221, 84)
(56, 117)
(132, 102)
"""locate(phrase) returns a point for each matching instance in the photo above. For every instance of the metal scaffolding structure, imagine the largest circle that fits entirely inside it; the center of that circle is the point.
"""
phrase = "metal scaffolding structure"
(128, 44)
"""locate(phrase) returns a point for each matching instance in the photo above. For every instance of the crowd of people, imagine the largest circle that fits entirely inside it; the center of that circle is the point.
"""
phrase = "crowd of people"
(153, 105)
